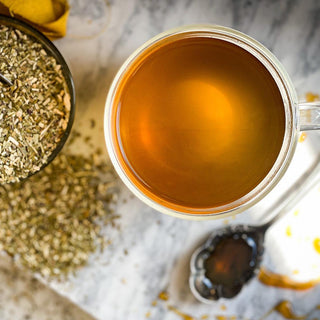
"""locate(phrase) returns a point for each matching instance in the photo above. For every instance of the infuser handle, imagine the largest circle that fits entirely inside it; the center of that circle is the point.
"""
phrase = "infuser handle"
(292, 196)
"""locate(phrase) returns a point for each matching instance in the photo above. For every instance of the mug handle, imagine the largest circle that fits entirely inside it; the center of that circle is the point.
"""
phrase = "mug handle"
(309, 115)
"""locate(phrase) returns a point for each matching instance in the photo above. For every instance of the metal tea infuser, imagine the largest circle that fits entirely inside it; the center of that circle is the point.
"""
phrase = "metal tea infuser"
(205, 289)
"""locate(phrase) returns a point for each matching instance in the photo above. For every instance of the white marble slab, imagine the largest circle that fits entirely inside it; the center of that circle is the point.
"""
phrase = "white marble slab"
(119, 286)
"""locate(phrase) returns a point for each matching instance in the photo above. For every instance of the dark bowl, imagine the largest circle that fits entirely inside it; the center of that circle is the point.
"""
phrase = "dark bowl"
(54, 52)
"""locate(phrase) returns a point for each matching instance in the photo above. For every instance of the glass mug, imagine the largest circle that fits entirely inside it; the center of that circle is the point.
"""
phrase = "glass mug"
(298, 117)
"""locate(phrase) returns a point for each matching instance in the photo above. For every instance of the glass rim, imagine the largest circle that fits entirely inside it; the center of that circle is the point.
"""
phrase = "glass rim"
(290, 139)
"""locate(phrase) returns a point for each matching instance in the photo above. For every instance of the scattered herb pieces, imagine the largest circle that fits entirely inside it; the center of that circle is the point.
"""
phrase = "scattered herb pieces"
(311, 97)
(316, 244)
(51, 221)
(34, 112)
(163, 295)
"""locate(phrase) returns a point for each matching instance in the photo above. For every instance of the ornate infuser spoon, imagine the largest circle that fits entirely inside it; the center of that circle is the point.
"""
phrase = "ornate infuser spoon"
(231, 256)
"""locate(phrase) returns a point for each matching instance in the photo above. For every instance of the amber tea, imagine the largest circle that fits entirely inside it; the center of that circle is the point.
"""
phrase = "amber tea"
(199, 122)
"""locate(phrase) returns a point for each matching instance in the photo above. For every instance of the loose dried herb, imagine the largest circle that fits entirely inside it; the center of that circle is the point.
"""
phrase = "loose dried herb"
(34, 112)
(51, 221)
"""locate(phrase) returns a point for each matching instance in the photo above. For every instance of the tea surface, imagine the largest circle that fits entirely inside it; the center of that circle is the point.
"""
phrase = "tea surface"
(200, 122)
